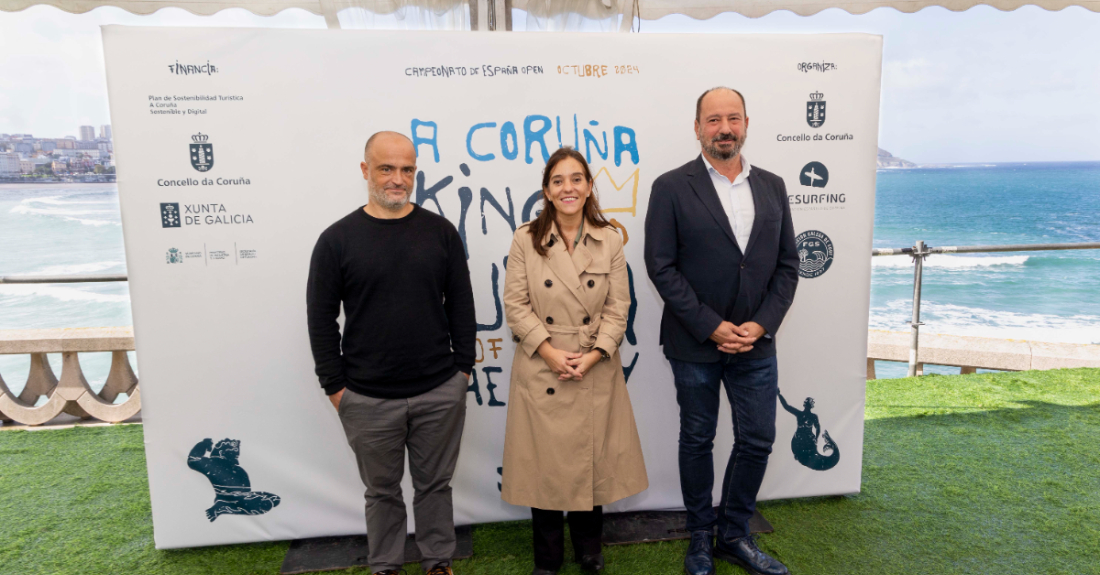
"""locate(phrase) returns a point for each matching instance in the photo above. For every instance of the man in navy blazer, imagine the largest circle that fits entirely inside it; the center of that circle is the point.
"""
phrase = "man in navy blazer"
(720, 249)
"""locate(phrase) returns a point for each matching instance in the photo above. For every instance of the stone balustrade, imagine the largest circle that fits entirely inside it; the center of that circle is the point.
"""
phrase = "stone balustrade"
(71, 394)
(971, 353)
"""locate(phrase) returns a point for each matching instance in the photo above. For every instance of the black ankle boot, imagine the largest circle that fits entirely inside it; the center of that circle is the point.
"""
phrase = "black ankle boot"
(591, 563)
(699, 560)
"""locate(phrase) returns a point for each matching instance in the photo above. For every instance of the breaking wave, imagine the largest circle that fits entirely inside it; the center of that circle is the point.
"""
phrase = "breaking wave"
(60, 293)
(951, 319)
(949, 262)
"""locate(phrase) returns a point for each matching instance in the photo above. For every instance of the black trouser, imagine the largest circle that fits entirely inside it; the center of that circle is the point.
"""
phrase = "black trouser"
(585, 530)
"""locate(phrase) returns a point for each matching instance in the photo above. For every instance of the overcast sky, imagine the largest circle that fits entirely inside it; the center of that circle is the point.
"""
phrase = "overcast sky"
(975, 86)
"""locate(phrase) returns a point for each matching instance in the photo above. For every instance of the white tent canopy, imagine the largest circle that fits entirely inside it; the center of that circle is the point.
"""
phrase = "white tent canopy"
(649, 9)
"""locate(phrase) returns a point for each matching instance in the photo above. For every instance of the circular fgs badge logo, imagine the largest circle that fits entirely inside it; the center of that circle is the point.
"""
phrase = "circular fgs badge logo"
(815, 253)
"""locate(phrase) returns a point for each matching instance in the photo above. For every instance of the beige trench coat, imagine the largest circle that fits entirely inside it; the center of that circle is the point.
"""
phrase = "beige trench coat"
(569, 445)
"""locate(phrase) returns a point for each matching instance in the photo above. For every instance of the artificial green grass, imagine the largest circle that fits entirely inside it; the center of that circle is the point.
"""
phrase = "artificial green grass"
(984, 474)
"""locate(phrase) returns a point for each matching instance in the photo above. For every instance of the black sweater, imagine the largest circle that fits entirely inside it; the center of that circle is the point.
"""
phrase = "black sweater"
(409, 321)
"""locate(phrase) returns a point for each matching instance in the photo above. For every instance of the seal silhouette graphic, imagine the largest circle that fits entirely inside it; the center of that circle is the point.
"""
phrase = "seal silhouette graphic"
(804, 442)
(233, 493)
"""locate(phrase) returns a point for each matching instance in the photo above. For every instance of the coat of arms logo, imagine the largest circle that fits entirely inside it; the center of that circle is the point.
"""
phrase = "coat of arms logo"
(170, 215)
(815, 110)
(202, 152)
(174, 256)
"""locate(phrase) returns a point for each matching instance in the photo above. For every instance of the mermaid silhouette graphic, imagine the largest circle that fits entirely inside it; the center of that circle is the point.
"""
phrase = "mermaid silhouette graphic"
(233, 493)
(804, 442)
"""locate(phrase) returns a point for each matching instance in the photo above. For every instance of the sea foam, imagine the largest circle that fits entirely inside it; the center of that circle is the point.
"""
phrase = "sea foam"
(64, 201)
(69, 214)
(86, 268)
(60, 293)
(949, 262)
(949, 319)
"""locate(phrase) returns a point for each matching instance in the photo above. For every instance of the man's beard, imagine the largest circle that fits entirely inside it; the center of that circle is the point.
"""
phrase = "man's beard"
(380, 197)
(714, 151)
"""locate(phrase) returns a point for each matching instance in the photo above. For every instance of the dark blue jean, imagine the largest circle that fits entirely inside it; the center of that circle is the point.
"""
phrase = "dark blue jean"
(751, 386)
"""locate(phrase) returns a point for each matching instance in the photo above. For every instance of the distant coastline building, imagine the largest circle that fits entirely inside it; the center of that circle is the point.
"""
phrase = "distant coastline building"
(23, 154)
(10, 164)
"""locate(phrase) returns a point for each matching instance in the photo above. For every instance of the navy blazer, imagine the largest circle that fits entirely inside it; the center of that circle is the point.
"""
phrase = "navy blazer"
(703, 276)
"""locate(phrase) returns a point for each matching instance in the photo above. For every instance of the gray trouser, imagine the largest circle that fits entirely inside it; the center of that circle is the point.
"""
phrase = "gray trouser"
(378, 430)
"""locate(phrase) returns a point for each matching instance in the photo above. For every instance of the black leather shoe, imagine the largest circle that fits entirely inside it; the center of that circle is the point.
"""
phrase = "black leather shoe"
(591, 563)
(744, 553)
(699, 559)
(539, 571)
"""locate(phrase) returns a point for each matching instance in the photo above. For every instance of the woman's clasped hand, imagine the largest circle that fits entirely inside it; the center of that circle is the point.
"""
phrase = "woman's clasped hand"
(568, 365)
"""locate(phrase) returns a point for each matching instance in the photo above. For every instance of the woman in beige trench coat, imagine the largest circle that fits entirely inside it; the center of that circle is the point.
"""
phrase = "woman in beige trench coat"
(571, 443)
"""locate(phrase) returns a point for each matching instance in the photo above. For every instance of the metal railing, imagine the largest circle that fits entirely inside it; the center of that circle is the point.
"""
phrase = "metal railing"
(920, 251)
(70, 279)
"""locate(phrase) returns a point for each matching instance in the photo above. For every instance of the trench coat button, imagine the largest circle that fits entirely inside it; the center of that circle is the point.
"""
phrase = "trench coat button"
(515, 338)
(549, 391)
(591, 283)
(587, 320)
(549, 320)
(548, 283)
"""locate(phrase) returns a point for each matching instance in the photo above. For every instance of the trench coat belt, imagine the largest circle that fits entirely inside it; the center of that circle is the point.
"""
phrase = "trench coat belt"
(586, 334)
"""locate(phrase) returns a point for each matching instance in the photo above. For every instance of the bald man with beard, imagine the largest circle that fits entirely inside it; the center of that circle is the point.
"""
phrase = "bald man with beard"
(398, 374)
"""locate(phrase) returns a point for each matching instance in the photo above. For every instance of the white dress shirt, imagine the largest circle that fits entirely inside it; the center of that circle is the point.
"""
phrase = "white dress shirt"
(736, 198)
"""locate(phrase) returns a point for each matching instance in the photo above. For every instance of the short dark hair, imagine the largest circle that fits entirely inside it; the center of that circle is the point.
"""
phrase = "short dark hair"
(699, 102)
(370, 140)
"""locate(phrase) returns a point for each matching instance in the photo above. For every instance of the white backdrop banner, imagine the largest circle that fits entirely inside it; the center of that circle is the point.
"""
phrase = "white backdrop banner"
(236, 148)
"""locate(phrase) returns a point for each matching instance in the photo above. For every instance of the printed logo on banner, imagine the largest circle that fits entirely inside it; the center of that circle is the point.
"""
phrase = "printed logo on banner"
(814, 175)
(815, 110)
(815, 253)
(174, 256)
(233, 493)
(169, 215)
(202, 152)
(188, 69)
(804, 442)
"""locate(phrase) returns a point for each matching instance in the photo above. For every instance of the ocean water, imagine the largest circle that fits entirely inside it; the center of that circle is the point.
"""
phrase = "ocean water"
(1045, 296)
(61, 229)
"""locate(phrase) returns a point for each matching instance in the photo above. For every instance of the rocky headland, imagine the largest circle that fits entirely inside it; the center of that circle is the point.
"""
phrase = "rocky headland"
(886, 160)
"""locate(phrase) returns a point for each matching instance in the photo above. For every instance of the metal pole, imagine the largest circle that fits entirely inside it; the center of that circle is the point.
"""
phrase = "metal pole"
(918, 267)
(77, 278)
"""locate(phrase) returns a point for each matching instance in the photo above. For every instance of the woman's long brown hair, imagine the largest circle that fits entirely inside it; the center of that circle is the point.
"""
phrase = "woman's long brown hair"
(549, 214)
